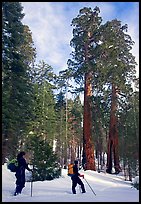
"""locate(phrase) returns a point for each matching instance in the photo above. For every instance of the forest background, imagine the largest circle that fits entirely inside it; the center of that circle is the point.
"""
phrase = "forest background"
(39, 117)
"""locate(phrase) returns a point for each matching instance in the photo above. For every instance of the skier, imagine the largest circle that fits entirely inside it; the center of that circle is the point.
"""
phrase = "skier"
(20, 173)
(75, 178)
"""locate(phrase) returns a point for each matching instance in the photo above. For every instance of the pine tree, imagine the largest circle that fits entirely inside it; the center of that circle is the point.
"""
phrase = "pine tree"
(129, 135)
(75, 129)
(43, 158)
(60, 108)
(100, 118)
(43, 115)
(17, 54)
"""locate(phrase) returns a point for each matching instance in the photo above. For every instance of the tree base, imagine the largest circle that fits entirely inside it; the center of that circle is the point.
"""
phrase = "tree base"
(108, 171)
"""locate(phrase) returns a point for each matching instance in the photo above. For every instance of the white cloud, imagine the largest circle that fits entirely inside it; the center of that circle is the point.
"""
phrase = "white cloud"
(51, 34)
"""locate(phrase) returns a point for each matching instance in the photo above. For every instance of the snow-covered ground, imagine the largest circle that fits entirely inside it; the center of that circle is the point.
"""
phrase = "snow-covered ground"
(107, 187)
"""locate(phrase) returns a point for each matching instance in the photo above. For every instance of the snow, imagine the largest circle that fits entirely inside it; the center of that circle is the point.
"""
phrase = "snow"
(107, 187)
(136, 180)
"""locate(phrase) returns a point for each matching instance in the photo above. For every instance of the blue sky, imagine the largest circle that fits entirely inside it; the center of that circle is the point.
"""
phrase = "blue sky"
(50, 24)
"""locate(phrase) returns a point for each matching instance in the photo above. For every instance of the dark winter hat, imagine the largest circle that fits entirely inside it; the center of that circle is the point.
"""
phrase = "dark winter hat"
(76, 162)
(20, 154)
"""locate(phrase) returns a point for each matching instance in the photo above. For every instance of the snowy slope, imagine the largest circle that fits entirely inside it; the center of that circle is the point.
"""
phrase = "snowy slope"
(108, 188)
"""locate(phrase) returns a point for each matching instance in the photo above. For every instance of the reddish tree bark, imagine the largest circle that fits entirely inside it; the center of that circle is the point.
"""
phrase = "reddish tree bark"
(87, 126)
(113, 136)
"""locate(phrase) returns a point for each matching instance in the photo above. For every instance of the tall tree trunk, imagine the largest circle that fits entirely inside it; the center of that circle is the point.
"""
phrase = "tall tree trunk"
(113, 136)
(87, 126)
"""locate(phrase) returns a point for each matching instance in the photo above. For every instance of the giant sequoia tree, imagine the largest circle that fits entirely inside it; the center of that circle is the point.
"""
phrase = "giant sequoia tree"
(101, 58)
(83, 67)
(117, 66)
(17, 54)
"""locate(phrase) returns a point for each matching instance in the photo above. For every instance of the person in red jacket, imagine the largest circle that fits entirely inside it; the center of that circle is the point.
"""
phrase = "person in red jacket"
(76, 178)
(20, 173)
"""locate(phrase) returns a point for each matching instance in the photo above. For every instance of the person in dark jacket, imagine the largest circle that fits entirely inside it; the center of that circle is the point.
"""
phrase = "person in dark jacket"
(20, 173)
(76, 178)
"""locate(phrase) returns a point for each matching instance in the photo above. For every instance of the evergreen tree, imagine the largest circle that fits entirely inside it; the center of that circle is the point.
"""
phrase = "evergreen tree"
(75, 129)
(17, 55)
(43, 159)
(60, 108)
(116, 66)
(43, 107)
(129, 135)
(83, 68)
(100, 113)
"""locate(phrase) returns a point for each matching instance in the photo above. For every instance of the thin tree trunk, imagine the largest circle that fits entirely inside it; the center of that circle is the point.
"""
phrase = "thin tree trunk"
(4, 150)
(129, 170)
(125, 170)
(87, 126)
(66, 135)
(113, 136)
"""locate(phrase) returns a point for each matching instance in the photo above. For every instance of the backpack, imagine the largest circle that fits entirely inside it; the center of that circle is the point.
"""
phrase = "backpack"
(12, 165)
(70, 169)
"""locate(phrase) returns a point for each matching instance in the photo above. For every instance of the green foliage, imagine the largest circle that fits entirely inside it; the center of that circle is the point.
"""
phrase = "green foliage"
(85, 36)
(129, 133)
(17, 55)
(115, 62)
(100, 117)
(44, 160)
(43, 107)
(136, 185)
(60, 101)
(75, 116)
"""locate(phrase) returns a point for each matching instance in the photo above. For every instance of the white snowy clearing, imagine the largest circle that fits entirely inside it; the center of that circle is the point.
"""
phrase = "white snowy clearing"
(107, 187)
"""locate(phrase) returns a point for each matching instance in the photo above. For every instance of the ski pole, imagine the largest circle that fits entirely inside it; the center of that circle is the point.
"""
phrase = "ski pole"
(32, 180)
(31, 183)
(90, 187)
